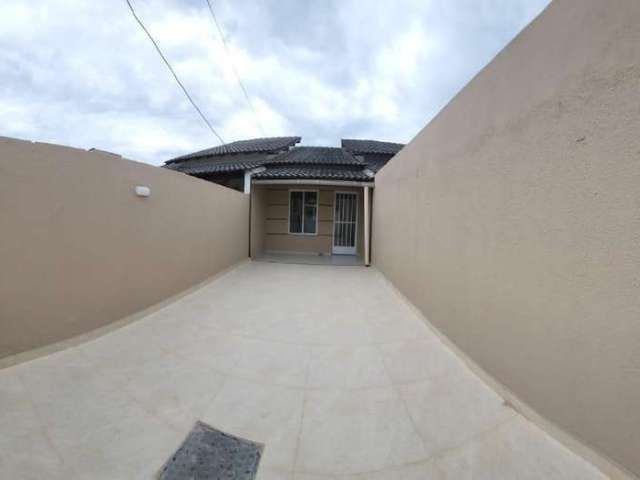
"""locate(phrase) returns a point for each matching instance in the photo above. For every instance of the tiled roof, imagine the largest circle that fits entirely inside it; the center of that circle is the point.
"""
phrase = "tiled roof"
(227, 164)
(371, 146)
(376, 161)
(316, 155)
(319, 172)
(254, 145)
(322, 163)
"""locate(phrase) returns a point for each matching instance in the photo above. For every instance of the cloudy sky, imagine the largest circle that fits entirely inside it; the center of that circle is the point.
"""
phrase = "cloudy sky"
(83, 73)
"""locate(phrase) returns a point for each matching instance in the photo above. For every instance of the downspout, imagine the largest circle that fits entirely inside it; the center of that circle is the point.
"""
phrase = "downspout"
(367, 226)
(250, 219)
(367, 216)
(247, 191)
(247, 181)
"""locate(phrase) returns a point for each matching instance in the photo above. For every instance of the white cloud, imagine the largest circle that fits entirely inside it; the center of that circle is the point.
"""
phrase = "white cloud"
(84, 74)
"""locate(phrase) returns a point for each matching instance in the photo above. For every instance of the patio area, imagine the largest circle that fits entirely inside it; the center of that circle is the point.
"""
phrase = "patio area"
(327, 366)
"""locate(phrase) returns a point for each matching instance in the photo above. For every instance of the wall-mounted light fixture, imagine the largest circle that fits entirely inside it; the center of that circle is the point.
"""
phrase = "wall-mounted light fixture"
(143, 191)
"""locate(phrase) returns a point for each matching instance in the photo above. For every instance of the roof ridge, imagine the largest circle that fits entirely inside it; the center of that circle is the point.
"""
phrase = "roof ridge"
(249, 145)
(317, 146)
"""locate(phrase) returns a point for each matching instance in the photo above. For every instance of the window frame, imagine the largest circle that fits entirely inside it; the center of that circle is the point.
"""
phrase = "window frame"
(317, 205)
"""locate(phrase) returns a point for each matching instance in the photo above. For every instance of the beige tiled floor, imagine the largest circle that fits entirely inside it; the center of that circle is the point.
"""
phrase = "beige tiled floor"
(325, 365)
(309, 259)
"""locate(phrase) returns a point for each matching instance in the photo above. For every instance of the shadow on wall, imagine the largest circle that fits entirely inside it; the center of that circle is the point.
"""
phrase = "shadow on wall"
(81, 248)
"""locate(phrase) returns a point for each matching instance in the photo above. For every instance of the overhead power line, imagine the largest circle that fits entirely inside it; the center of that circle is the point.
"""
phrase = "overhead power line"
(213, 130)
(233, 66)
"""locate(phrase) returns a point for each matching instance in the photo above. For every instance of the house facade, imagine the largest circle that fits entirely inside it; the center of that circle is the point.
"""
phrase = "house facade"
(304, 200)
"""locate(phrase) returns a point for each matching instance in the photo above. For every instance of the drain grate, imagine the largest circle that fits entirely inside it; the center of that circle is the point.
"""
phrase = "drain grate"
(209, 454)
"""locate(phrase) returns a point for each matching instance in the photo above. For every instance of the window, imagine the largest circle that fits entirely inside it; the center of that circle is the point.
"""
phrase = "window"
(303, 212)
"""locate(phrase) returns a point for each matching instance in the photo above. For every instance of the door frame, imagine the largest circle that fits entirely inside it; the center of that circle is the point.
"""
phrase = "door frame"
(345, 250)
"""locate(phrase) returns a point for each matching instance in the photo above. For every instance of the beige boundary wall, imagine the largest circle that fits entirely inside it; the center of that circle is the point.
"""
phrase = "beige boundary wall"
(512, 221)
(79, 250)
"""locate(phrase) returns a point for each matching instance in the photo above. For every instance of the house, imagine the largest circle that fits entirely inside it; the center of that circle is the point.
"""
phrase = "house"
(227, 164)
(496, 338)
(304, 199)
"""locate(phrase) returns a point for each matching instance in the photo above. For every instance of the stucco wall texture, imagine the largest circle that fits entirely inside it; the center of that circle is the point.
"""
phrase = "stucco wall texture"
(513, 221)
(78, 248)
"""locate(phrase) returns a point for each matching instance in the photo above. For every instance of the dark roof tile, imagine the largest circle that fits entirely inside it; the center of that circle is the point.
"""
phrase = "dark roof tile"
(370, 146)
(294, 163)
(317, 156)
(254, 145)
(317, 172)
(196, 167)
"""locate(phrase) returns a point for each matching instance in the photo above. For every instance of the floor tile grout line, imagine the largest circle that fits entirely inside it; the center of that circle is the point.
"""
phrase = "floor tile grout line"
(132, 398)
(42, 424)
(402, 399)
(430, 459)
(171, 352)
(304, 407)
(255, 379)
(473, 438)
(223, 332)
(494, 427)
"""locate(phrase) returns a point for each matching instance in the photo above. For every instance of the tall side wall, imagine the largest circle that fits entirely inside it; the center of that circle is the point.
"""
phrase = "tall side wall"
(513, 221)
(78, 248)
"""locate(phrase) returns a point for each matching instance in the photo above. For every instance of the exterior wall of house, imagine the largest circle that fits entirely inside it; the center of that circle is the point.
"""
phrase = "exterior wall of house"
(258, 219)
(513, 222)
(79, 250)
(276, 226)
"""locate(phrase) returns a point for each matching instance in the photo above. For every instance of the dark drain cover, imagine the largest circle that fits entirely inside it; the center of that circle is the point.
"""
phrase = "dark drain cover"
(208, 454)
